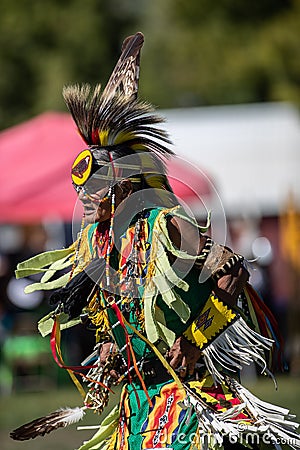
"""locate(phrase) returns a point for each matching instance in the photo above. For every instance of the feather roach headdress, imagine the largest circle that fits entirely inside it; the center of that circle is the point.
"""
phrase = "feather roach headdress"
(115, 124)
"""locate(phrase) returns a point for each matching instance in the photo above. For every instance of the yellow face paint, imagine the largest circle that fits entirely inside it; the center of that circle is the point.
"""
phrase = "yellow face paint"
(81, 168)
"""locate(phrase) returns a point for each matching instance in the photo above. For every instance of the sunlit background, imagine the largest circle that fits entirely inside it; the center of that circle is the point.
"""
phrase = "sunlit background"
(226, 75)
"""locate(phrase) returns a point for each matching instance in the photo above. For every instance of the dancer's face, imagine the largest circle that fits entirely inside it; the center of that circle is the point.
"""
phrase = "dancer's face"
(97, 203)
(97, 206)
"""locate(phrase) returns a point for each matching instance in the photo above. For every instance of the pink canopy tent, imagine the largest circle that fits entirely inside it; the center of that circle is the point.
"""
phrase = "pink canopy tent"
(35, 159)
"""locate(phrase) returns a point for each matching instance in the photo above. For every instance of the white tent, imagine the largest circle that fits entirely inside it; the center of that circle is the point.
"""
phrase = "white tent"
(251, 151)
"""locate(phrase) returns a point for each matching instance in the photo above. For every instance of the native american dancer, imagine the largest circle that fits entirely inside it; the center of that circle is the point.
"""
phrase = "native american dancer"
(175, 318)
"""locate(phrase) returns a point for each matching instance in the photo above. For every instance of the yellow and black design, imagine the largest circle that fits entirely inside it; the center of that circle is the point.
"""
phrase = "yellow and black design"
(204, 320)
(218, 397)
(213, 318)
(81, 168)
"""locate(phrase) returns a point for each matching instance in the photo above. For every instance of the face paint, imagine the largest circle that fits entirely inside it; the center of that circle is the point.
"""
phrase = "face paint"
(82, 167)
(88, 176)
(93, 189)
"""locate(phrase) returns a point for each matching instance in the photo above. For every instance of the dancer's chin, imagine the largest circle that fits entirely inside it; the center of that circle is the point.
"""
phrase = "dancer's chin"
(90, 215)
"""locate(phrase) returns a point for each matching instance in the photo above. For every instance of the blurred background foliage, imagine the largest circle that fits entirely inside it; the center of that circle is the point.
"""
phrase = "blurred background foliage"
(197, 52)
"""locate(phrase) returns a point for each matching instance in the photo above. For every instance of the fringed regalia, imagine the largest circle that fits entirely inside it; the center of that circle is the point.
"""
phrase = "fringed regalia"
(123, 280)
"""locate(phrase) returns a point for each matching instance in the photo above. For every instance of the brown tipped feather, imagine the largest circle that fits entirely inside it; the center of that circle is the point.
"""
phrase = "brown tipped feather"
(125, 76)
(43, 425)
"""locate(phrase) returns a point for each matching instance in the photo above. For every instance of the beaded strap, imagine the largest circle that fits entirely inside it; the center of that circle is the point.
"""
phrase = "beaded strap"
(111, 195)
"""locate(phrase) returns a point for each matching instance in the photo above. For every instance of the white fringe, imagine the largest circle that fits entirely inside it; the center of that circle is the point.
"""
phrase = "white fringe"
(273, 419)
(270, 420)
(212, 425)
(238, 345)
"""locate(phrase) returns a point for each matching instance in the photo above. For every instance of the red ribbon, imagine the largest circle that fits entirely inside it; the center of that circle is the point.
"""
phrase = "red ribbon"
(55, 348)
(129, 350)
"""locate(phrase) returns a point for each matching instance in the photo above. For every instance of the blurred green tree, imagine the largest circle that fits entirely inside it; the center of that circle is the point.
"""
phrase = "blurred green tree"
(197, 52)
(229, 51)
(44, 45)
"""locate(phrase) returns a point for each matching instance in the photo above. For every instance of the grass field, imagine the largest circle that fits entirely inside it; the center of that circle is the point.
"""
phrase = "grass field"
(23, 407)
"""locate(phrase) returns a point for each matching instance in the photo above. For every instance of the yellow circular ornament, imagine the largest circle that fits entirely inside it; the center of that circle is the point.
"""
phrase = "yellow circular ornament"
(81, 168)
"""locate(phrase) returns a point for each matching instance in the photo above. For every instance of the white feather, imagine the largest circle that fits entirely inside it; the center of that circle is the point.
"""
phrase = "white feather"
(39, 427)
(72, 415)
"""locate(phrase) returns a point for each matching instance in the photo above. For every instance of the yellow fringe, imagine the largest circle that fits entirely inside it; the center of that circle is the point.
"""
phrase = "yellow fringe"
(196, 444)
(112, 440)
(70, 372)
(98, 317)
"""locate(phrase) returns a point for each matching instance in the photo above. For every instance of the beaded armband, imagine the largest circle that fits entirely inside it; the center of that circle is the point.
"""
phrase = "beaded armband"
(214, 318)
(225, 339)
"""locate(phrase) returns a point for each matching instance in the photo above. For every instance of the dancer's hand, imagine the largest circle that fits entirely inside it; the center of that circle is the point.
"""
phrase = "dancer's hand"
(108, 352)
(230, 286)
(183, 356)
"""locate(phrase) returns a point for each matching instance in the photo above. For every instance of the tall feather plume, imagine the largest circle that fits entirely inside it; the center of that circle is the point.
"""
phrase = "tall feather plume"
(125, 76)
(43, 425)
(115, 116)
